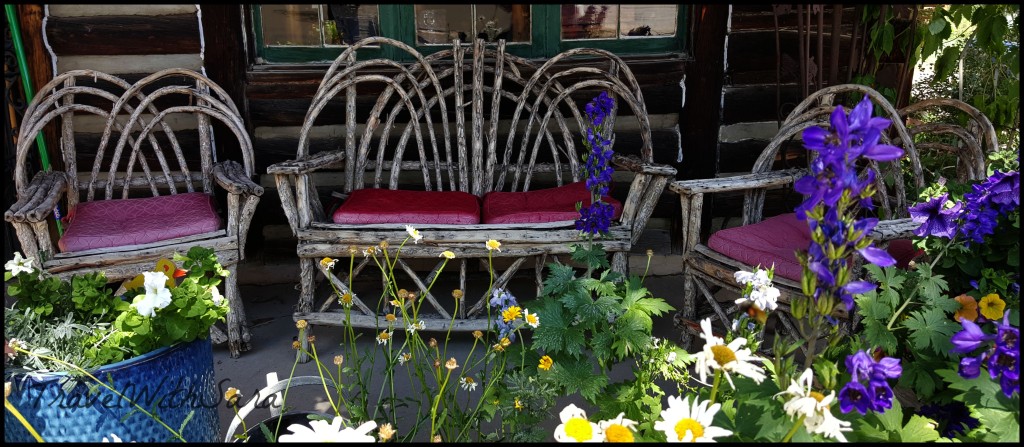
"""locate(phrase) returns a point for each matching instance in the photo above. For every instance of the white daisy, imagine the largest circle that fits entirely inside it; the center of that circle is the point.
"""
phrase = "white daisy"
(413, 233)
(531, 319)
(468, 383)
(19, 264)
(575, 426)
(814, 407)
(323, 431)
(731, 358)
(618, 429)
(413, 327)
(384, 337)
(682, 422)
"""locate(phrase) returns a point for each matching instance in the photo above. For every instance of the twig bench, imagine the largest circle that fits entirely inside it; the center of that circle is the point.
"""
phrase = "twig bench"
(416, 158)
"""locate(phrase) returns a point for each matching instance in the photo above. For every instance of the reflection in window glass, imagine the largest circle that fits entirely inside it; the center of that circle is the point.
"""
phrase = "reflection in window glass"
(647, 20)
(291, 24)
(440, 24)
(347, 24)
(318, 25)
(590, 21)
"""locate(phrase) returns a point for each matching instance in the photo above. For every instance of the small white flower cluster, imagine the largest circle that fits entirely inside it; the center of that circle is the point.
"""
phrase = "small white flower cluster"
(759, 289)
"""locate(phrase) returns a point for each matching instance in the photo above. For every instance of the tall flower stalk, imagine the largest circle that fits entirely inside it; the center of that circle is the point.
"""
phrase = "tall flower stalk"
(595, 218)
(837, 189)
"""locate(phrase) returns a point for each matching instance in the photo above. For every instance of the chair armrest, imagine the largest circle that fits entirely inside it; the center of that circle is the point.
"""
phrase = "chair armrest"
(632, 163)
(37, 201)
(231, 176)
(888, 230)
(321, 160)
(736, 183)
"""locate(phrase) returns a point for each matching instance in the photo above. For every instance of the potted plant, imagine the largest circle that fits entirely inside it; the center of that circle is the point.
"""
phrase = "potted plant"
(85, 361)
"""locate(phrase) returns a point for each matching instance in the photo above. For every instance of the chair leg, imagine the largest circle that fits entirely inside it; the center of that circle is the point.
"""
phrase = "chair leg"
(688, 312)
(307, 280)
(620, 263)
(237, 324)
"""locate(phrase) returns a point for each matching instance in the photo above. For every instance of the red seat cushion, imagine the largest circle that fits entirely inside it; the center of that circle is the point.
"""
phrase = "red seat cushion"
(541, 205)
(373, 205)
(120, 222)
(776, 240)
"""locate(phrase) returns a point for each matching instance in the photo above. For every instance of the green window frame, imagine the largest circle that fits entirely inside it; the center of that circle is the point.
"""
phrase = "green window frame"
(398, 22)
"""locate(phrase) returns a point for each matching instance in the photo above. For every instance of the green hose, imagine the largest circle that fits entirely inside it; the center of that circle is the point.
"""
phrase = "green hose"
(26, 82)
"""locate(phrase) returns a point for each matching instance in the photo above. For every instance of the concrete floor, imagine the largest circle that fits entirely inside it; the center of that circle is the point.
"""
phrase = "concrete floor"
(270, 292)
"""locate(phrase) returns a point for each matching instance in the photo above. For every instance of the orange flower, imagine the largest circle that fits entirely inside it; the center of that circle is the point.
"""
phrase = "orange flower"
(968, 308)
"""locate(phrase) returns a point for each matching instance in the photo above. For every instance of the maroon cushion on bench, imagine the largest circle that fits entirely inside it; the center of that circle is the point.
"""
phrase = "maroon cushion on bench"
(373, 205)
(120, 222)
(541, 205)
(775, 241)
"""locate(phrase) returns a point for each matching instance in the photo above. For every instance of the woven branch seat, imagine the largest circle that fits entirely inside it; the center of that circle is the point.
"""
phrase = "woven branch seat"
(467, 144)
(137, 201)
(709, 263)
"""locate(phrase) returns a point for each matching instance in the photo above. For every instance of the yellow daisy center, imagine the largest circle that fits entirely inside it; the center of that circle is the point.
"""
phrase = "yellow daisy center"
(511, 313)
(618, 433)
(723, 355)
(817, 396)
(579, 429)
(532, 319)
(346, 299)
(384, 335)
(689, 425)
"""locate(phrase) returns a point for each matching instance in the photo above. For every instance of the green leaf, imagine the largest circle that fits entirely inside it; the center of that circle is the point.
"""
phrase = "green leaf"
(946, 63)
(1004, 424)
(878, 335)
(560, 279)
(931, 328)
(594, 257)
(937, 24)
(579, 376)
(919, 429)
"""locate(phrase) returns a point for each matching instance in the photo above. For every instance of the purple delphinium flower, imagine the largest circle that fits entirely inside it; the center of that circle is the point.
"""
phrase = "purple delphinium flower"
(970, 367)
(877, 395)
(596, 217)
(854, 396)
(935, 218)
(969, 338)
(835, 189)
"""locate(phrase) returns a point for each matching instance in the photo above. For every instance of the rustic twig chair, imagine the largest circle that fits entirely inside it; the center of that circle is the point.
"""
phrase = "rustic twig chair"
(709, 264)
(458, 148)
(134, 137)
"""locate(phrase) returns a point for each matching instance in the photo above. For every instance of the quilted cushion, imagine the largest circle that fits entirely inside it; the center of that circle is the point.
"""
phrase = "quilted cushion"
(775, 241)
(119, 222)
(372, 205)
(541, 205)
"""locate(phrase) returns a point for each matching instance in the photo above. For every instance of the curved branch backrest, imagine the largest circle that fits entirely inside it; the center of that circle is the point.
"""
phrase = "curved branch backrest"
(815, 110)
(139, 129)
(972, 142)
(475, 154)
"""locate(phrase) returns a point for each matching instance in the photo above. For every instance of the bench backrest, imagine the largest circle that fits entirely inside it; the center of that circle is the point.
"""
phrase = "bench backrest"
(140, 136)
(471, 118)
(898, 181)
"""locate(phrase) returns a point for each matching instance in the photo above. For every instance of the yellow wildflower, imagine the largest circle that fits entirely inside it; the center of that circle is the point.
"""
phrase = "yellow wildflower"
(992, 306)
(328, 263)
(346, 299)
(451, 364)
(390, 317)
(296, 344)
(457, 294)
(545, 363)
(519, 405)
(448, 254)
(301, 324)
(385, 432)
(478, 335)
(231, 395)
(493, 245)
(338, 360)
(505, 342)
(511, 313)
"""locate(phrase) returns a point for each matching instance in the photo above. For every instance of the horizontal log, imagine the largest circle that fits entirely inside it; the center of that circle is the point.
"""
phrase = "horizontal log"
(59, 10)
(760, 17)
(461, 249)
(736, 183)
(440, 234)
(121, 271)
(377, 322)
(217, 240)
(124, 64)
(124, 35)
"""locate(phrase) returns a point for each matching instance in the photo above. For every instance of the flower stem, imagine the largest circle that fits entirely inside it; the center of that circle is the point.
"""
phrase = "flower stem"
(714, 386)
(792, 431)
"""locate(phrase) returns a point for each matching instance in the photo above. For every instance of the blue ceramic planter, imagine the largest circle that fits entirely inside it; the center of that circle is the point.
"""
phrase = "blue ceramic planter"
(170, 382)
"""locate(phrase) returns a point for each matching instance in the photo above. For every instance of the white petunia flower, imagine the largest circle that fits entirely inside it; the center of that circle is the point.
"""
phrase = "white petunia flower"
(765, 298)
(575, 426)
(413, 233)
(682, 422)
(814, 408)
(731, 358)
(217, 297)
(157, 295)
(19, 265)
(323, 431)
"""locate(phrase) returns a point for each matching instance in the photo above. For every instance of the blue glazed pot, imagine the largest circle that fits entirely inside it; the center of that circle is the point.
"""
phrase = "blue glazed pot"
(169, 382)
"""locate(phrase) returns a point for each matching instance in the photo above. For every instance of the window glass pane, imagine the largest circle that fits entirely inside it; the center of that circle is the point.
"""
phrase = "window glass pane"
(509, 22)
(291, 24)
(648, 20)
(590, 21)
(347, 24)
(439, 24)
